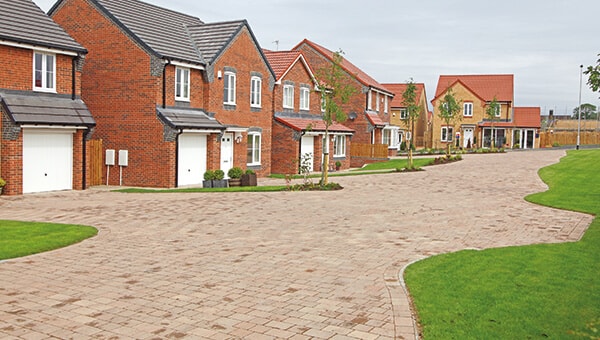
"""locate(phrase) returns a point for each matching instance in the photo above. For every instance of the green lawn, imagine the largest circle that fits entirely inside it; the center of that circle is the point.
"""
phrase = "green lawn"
(397, 163)
(530, 292)
(25, 238)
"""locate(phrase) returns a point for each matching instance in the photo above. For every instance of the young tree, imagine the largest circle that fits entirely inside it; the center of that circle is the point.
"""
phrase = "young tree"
(593, 73)
(449, 109)
(336, 92)
(413, 110)
(491, 112)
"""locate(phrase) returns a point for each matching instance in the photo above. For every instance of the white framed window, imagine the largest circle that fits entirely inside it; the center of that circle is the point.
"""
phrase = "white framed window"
(323, 102)
(377, 102)
(182, 84)
(370, 100)
(255, 92)
(468, 109)
(498, 112)
(447, 134)
(386, 137)
(254, 140)
(339, 146)
(403, 113)
(304, 98)
(229, 88)
(288, 96)
(385, 104)
(44, 74)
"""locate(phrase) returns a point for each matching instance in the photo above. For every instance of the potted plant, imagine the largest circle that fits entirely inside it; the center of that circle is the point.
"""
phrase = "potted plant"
(338, 165)
(219, 181)
(2, 184)
(209, 176)
(249, 178)
(235, 176)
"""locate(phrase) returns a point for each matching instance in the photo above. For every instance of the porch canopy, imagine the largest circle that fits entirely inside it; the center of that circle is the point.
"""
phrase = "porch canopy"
(186, 118)
(308, 122)
(40, 109)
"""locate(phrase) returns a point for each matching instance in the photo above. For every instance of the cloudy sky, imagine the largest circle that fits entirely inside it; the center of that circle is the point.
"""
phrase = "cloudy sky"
(541, 42)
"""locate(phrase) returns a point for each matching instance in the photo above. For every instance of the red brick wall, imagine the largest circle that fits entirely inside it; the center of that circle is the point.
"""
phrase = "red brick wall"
(243, 55)
(122, 95)
(11, 161)
(285, 154)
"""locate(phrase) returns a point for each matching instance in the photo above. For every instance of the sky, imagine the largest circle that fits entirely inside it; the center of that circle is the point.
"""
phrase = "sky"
(542, 42)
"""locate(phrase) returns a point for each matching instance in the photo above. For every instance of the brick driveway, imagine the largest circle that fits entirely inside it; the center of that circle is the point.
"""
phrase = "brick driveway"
(297, 265)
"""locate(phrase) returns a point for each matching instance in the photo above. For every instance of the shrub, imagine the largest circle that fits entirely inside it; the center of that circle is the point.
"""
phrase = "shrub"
(2, 182)
(555, 144)
(219, 174)
(209, 175)
(250, 172)
(235, 172)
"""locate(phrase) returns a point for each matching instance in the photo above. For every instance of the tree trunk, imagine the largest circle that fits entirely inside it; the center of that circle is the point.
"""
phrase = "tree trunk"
(325, 174)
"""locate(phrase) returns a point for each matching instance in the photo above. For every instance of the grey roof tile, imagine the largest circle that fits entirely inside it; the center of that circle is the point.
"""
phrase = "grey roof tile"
(35, 108)
(212, 38)
(24, 22)
(185, 118)
(161, 29)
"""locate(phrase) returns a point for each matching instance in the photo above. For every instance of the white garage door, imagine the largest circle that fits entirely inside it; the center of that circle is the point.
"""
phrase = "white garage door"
(191, 159)
(47, 160)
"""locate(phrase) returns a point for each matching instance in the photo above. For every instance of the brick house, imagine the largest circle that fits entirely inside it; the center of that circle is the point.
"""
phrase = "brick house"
(368, 109)
(179, 95)
(298, 127)
(422, 131)
(45, 124)
(516, 127)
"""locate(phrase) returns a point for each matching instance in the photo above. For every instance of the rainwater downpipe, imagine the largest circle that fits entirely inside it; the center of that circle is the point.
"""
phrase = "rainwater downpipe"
(164, 87)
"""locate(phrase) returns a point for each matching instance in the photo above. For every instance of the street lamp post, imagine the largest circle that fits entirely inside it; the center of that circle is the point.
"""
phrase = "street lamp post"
(579, 107)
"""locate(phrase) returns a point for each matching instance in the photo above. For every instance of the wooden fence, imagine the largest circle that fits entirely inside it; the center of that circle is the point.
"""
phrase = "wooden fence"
(95, 162)
(548, 139)
(369, 150)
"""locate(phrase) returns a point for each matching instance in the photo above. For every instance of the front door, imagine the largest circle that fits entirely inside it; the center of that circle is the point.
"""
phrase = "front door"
(308, 147)
(468, 137)
(226, 152)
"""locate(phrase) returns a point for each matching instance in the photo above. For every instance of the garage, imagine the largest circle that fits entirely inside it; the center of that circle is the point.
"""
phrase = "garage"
(47, 160)
(191, 158)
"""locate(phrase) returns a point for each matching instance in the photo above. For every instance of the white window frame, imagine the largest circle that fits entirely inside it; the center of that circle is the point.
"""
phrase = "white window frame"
(182, 84)
(288, 96)
(323, 102)
(304, 98)
(385, 104)
(448, 131)
(468, 109)
(339, 146)
(254, 152)
(44, 72)
(498, 112)
(255, 92)
(403, 113)
(387, 141)
(229, 88)
(370, 100)
(377, 103)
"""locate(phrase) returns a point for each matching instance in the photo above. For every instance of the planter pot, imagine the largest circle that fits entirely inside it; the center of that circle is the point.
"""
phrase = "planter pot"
(207, 184)
(235, 182)
(219, 183)
(249, 180)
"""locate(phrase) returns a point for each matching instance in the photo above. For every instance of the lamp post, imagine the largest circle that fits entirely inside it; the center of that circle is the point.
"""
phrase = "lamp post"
(579, 107)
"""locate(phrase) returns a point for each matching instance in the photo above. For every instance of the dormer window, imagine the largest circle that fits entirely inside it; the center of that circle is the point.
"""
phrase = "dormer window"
(44, 75)
(182, 84)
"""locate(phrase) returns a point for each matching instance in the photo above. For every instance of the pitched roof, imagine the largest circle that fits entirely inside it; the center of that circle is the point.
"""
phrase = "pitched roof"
(527, 117)
(35, 108)
(212, 38)
(485, 86)
(24, 22)
(305, 122)
(398, 90)
(375, 120)
(185, 118)
(359, 74)
(159, 30)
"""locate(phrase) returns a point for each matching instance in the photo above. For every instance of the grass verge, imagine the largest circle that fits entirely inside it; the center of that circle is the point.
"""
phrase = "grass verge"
(19, 239)
(538, 291)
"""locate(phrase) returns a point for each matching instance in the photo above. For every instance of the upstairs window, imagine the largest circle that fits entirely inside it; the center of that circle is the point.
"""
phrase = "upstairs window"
(288, 96)
(385, 104)
(229, 88)
(182, 84)
(403, 114)
(255, 92)
(44, 75)
(370, 100)
(468, 109)
(304, 98)
(498, 110)
(377, 102)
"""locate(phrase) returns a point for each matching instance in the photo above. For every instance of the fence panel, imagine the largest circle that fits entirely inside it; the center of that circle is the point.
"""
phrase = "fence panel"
(369, 150)
(95, 164)
(548, 139)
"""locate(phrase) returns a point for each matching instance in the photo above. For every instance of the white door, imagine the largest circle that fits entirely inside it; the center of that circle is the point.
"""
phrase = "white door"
(47, 160)
(308, 147)
(191, 159)
(468, 136)
(226, 152)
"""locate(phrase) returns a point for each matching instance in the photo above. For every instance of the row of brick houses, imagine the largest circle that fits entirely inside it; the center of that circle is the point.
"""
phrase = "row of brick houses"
(174, 96)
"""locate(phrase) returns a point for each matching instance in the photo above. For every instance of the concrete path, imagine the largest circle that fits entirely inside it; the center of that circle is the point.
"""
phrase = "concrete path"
(287, 265)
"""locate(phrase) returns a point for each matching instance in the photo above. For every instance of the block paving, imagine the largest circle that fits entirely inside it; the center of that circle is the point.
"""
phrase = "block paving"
(276, 265)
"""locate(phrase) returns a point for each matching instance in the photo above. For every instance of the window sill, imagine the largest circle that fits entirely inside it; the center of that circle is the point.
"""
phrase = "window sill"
(39, 89)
